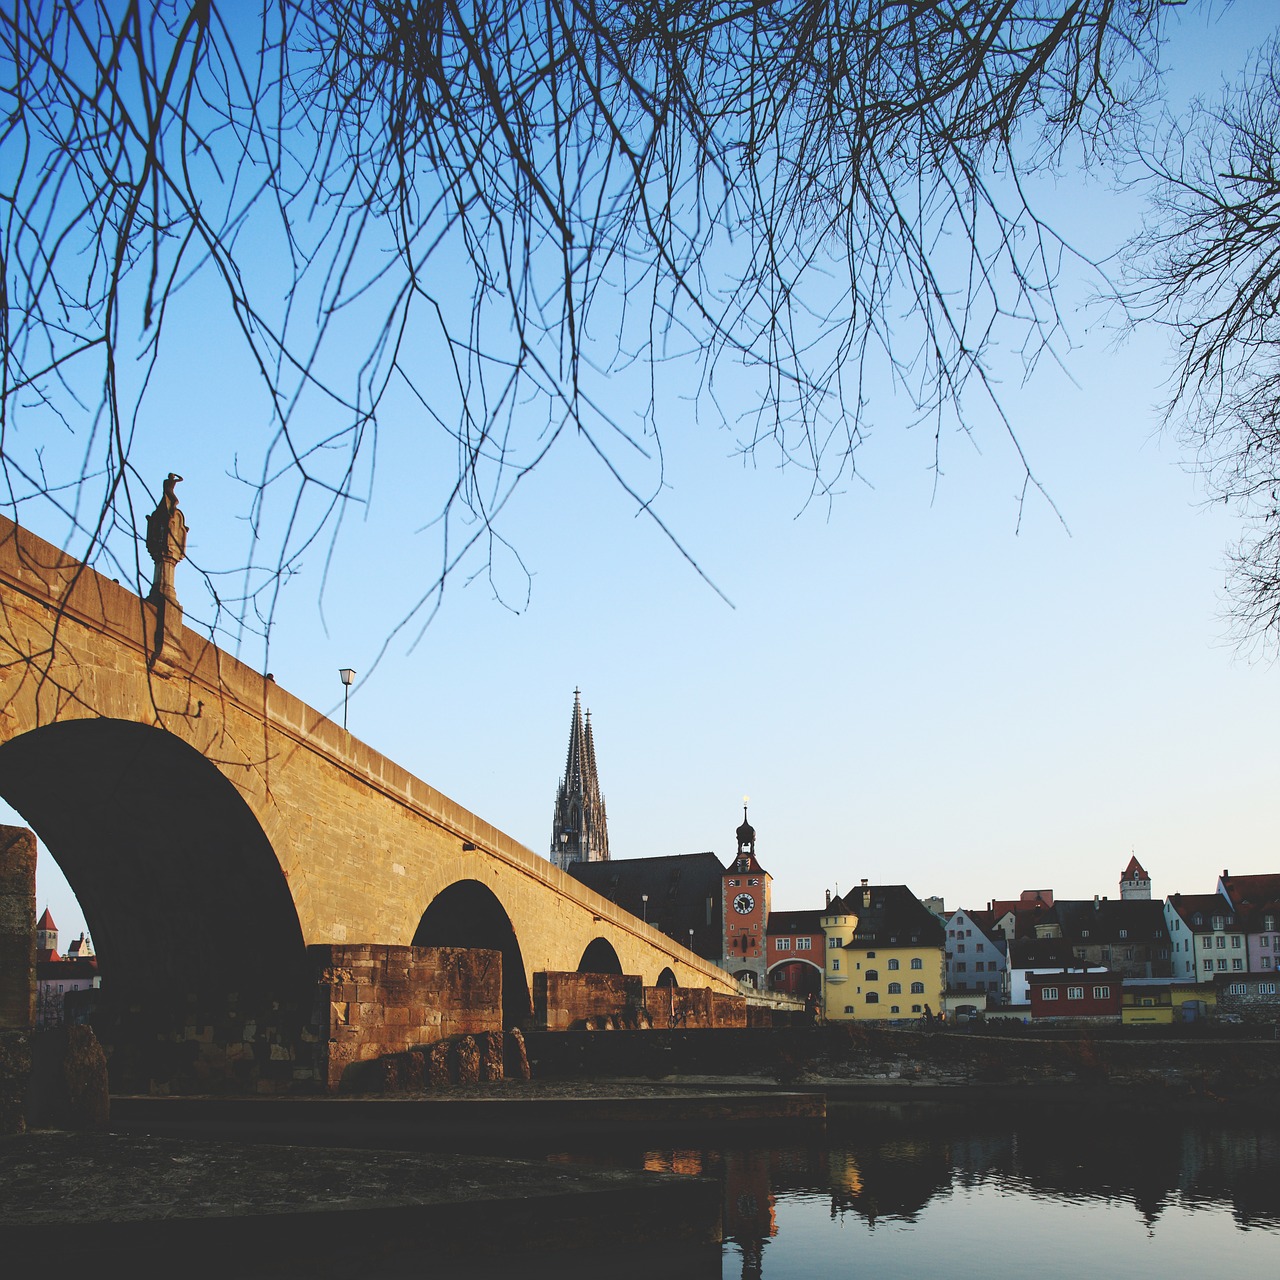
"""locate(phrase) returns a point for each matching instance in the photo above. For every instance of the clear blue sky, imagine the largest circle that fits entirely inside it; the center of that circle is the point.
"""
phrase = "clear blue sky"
(909, 687)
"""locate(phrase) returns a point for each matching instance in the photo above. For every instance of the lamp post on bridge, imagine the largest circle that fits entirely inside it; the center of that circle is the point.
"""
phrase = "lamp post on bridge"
(347, 675)
(644, 907)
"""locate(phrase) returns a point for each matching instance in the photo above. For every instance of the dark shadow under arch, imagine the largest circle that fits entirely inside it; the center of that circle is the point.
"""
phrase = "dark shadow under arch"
(667, 979)
(468, 914)
(181, 889)
(798, 977)
(600, 957)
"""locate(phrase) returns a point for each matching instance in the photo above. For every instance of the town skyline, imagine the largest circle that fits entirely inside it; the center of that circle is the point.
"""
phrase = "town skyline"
(940, 679)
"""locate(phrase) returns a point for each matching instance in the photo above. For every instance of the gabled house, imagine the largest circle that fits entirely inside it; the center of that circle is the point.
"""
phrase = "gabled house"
(1206, 935)
(976, 956)
(1256, 900)
(1130, 936)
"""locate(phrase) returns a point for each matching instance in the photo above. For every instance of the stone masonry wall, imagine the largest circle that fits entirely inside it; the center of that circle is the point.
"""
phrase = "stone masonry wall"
(17, 971)
(565, 1000)
(373, 1001)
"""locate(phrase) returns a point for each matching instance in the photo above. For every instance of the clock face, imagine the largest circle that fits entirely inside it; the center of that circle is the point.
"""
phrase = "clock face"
(743, 904)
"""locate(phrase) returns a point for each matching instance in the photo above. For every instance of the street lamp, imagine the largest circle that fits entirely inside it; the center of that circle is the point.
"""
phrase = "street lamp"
(690, 939)
(347, 677)
(644, 907)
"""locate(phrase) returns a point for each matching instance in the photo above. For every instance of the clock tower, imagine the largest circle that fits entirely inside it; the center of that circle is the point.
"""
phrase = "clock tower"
(746, 910)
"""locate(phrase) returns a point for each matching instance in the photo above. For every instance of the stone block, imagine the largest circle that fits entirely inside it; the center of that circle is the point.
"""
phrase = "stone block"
(466, 1060)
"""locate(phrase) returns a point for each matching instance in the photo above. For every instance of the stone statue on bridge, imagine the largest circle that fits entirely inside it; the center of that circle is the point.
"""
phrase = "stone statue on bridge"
(166, 542)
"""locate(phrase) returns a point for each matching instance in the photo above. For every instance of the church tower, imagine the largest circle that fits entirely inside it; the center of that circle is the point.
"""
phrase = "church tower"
(579, 830)
(1135, 884)
(746, 911)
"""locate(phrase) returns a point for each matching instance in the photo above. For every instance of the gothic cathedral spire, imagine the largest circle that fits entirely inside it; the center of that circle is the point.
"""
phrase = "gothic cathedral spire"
(579, 830)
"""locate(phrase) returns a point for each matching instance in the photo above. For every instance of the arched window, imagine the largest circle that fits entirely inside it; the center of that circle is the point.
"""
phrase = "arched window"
(872, 998)
(893, 964)
(916, 962)
(917, 988)
(895, 988)
(893, 1008)
(873, 975)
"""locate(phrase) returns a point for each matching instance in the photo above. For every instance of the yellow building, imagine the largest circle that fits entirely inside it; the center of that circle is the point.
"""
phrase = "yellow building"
(1161, 1001)
(885, 955)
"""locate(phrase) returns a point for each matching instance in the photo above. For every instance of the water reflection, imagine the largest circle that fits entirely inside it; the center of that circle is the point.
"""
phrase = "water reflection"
(1101, 1180)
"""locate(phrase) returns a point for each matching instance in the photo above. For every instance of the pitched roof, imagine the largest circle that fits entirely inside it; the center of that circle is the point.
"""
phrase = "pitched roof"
(1205, 905)
(794, 922)
(678, 889)
(890, 915)
(1134, 871)
(1102, 920)
(1253, 896)
(45, 921)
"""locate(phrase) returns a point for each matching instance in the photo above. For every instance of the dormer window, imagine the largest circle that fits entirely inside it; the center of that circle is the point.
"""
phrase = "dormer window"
(1218, 923)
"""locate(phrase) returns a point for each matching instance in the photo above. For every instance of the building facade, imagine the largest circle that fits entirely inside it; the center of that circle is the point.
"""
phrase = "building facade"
(885, 957)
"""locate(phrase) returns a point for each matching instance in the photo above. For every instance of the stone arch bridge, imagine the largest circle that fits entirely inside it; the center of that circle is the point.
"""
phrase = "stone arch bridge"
(214, 827)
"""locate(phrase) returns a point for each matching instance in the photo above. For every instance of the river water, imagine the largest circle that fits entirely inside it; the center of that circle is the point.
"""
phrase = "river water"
(892, 1193)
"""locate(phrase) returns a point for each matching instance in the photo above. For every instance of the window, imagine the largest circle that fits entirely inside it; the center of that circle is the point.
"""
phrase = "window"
(1264, 962)
(848, 1008)
(835, 964)
(1048, 993)
(1222, 943)
(893, 1008)
(959, 946)
(895, 988)
(951, 933)
(1084, 933)
(1266, 988)
(1208, 966)
(871, 955)
(1237, 963)
(1235, 942)
(833, 943)
(1124, 933)
(968, 933)
(733, 884)
(803, 944)
(873, 997)
(916, 962)
(961, 966)
(1102, 993)
(1236, 988)
(915, 1008)
(893, 964)
(980, 947)
(1265, 940)
(784, 944)
(1269, 922)
(873, 975)
(917, 988)
(754, 880)
(1217, 923)
(1222, 964)
(1075, 993)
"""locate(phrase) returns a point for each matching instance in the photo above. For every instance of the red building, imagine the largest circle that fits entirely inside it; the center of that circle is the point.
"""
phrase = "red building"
(1075, 993)
(795, 952)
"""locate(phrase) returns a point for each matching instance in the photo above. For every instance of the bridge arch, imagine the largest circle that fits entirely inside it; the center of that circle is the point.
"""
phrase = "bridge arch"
(469, 914)
(666, 978)
(180, 886)
(600, 957)
(797, 976)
